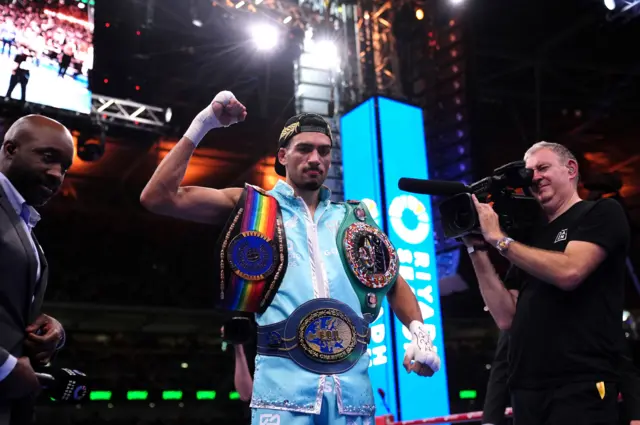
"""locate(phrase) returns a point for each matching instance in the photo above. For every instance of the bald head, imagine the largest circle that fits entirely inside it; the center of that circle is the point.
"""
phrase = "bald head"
(31, 127)
(36, 153)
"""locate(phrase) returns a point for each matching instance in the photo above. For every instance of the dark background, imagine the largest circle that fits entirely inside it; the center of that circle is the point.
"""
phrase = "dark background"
(135, 291)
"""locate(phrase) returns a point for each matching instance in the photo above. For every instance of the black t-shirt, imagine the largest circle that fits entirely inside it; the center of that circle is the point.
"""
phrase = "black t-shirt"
(565, 336)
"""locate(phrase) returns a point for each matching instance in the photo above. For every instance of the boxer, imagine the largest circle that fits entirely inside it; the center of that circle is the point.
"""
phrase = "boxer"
(314, 273)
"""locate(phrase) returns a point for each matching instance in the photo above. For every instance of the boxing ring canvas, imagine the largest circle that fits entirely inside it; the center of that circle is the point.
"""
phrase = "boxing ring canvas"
(382, 141)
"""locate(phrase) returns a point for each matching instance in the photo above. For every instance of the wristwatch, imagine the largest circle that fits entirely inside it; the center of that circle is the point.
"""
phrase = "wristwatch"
(503, 245)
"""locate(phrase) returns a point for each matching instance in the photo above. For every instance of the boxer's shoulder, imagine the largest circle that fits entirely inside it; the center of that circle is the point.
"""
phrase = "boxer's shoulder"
(256, 188)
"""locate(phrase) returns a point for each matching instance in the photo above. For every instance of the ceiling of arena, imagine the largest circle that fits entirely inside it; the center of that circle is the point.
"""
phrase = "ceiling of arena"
(564, 71)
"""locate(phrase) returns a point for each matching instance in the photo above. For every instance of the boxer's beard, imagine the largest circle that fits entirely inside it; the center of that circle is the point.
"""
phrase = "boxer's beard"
(310, 186)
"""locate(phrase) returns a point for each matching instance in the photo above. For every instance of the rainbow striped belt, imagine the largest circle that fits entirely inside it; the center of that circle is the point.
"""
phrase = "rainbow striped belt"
(253, 253)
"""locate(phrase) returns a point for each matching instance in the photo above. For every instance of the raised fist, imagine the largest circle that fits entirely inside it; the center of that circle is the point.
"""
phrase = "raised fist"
(227, 109)
(222, 112)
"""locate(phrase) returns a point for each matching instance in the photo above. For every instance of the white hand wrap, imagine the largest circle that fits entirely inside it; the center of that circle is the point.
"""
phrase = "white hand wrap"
(421, 349)
(206, 119)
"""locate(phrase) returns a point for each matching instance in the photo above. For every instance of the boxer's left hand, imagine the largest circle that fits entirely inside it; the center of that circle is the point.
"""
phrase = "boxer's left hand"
(42, 347)
(420, 356)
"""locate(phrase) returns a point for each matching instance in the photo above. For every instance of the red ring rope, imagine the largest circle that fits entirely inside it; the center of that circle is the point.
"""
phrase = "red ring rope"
(451, 419)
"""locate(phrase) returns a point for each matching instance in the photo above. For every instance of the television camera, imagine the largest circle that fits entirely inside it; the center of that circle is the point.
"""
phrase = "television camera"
(508, 189)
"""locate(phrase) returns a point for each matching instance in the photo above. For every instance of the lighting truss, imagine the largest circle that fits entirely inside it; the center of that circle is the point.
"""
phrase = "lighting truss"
(287, 12)
(624, 12)
(377, 43)
(121, 111)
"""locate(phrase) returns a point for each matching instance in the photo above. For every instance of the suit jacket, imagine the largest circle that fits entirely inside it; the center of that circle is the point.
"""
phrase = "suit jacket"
(18, 285)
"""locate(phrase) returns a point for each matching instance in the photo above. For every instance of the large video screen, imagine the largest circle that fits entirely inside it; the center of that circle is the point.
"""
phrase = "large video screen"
(411, 232)
(47, 52)
(361, 178)
(372, 167)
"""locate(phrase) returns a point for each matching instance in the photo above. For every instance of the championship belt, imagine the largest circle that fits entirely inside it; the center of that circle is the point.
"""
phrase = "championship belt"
(323, 336)
(368, 256)
(253, 253)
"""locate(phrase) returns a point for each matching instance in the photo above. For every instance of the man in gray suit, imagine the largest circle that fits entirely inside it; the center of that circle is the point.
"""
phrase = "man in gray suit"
(34, 158)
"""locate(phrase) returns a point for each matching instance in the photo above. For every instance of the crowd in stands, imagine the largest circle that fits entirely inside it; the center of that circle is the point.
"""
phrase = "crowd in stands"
(48, 33)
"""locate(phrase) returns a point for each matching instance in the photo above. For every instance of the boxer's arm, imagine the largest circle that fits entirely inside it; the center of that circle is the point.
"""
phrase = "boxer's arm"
(500, 300)
(242, 378)
(420, 356)
(404, 303)
(164, 194)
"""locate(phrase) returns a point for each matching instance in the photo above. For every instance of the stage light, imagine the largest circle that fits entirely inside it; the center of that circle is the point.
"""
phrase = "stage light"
(168, 114)
(456, 2)
(100, 395)
(137, 395)
(324, 52)
(264, 36)
(468, 394)
(172, 395)
(206, 395)
(193, 12)
(90, 149)
(610, 4)
(419, 14)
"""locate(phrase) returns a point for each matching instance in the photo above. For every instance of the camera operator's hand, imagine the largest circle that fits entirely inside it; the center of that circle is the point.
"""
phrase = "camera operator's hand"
(489, 222)
(473, 241)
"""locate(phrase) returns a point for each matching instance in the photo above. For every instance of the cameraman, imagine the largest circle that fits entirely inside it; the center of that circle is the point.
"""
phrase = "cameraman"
(564, 319)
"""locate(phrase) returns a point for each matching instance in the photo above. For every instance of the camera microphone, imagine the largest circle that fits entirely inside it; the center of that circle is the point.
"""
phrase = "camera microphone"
(432, 187)
(64, 385)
